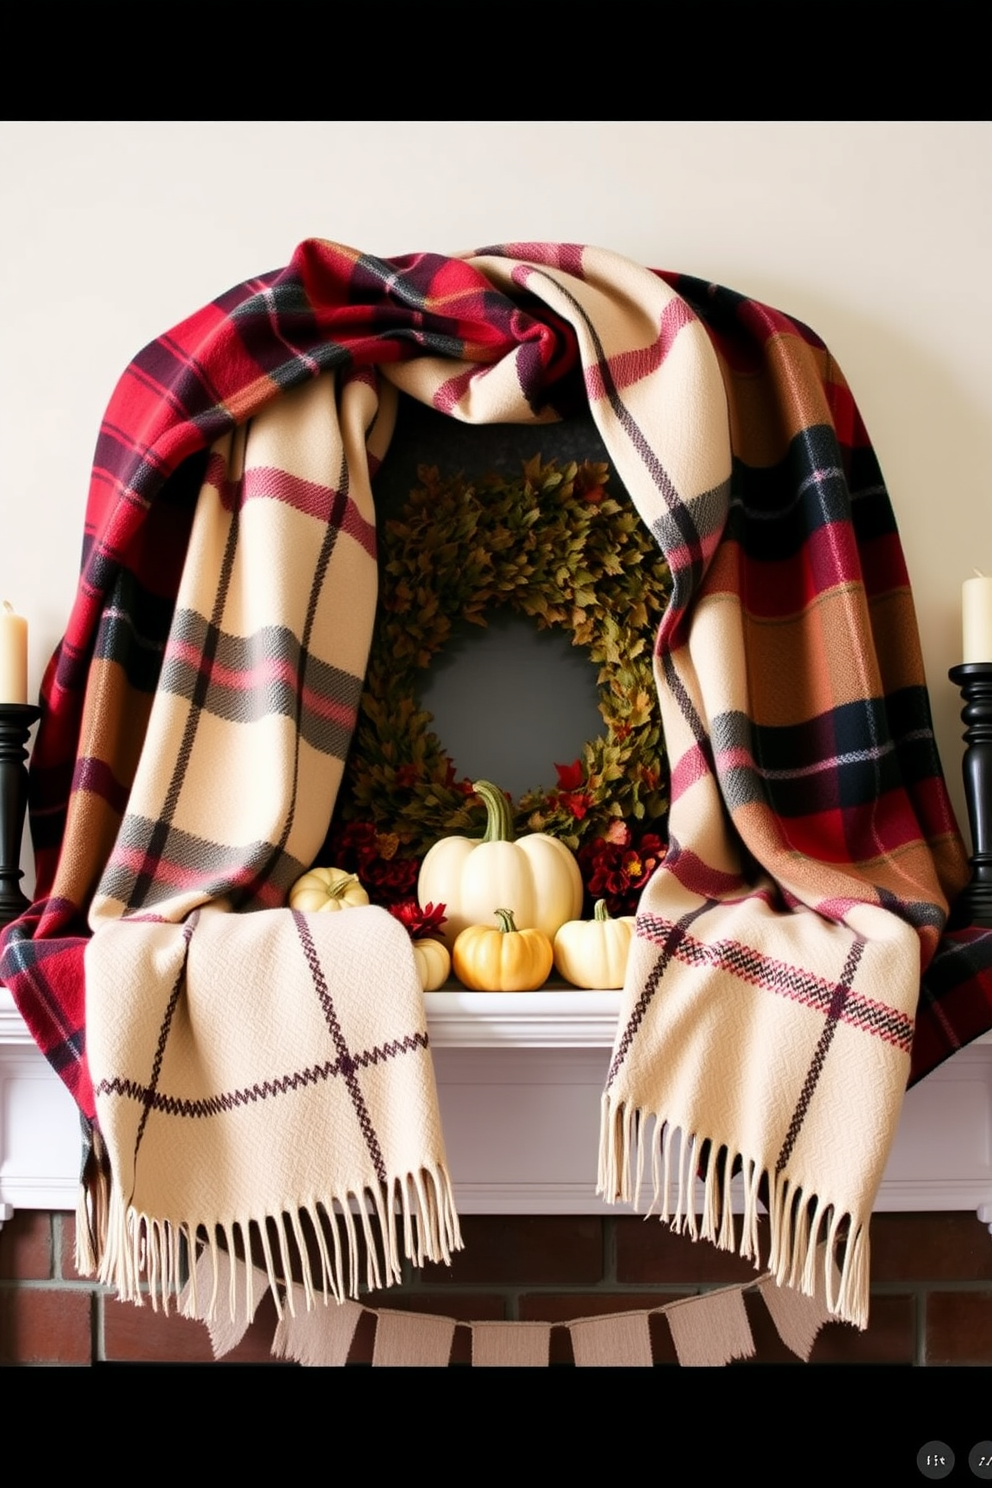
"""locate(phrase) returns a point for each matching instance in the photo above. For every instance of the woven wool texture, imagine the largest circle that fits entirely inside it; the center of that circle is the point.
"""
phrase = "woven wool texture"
(198, 711)
(695, 1324)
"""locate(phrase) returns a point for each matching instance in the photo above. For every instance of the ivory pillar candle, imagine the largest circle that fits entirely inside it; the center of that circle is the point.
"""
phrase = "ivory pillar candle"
(13, 656)
(976, 617)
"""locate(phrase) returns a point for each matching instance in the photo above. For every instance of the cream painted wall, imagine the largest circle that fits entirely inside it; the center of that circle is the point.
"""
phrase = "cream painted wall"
(878, 235)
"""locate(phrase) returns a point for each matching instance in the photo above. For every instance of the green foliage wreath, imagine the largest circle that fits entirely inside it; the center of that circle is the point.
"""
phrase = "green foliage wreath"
(554, 546)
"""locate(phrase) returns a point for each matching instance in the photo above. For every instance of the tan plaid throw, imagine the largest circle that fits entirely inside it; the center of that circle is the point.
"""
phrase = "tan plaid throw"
(253, 1070)
(256, 1074)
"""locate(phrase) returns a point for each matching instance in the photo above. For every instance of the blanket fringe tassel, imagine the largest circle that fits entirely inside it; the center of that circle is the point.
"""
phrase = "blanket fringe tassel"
(813, 1248)
(92, 1204)
(311, 1252)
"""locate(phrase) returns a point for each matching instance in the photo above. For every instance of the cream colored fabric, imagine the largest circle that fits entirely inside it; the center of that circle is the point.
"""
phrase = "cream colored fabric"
(712, 1329)
(620, 1340)
(216, 1275)
(325, 1096)
(320, 1338)
(510, 1345)
(798, 1318)
(412, 1340)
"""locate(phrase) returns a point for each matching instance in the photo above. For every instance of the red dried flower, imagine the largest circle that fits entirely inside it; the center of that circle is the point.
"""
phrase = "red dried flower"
(570, 777)
(389, 881)
(578, 803)
(419, 923)
(618, 870)
(376, 858)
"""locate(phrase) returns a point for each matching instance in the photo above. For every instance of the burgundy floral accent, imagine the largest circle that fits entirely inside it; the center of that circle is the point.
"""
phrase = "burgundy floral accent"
(568, 796)
(383, 870)
(420, 923)
(351, 843)
(390, 882)
(616, 869)
(570, 777)
(577, 802)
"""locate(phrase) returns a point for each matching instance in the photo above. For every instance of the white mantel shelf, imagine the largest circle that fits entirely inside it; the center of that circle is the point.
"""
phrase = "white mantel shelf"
(519, 1080)
(561, 1018)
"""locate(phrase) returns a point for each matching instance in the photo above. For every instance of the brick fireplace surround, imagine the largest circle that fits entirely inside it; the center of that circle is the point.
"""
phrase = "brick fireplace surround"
(931, 1292)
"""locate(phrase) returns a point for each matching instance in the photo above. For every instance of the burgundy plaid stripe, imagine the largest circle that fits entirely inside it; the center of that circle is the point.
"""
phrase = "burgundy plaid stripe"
(343, 1066)
(782, 979)
(838, 1003)
(347, 1064)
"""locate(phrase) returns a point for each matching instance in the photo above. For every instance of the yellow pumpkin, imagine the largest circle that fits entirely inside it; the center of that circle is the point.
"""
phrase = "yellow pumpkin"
(537, 874)
(433, 962)
(326, 889)
(504, 959)
(593, 953)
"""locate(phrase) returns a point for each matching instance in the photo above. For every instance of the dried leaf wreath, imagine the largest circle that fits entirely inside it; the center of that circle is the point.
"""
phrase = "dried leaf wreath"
(552, 545)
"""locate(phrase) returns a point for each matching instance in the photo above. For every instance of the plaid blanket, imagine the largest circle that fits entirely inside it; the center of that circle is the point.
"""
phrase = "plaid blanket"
(186, 759)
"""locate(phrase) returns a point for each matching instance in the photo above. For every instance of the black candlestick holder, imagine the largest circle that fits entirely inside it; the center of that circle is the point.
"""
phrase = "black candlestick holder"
(15, 725)
(974, 905)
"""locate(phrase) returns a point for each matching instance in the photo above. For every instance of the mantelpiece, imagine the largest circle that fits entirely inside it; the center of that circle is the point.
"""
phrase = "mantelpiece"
(520, 1078)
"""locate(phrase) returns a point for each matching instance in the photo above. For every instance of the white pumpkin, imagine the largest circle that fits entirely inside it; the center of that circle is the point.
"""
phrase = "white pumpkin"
(593, 953)
(433, 962)
(325, 889)
(536, 876)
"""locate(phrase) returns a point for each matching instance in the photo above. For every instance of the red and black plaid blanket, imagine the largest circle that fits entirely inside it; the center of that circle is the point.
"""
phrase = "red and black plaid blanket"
(807, 795)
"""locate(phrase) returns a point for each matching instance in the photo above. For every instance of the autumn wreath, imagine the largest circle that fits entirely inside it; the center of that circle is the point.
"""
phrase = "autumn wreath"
(554, 546)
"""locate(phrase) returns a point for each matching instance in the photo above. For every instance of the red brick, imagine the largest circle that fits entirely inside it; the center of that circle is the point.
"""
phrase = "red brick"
(959, 1328)
(562, 1307)
(930, 1247)
(521, 1249)
(26, 1247)
(67, 1249)
(139, 1333)
(890, 1337)
(256, 1346)
(40, 1325)
(648, 1251)
(467, 1307)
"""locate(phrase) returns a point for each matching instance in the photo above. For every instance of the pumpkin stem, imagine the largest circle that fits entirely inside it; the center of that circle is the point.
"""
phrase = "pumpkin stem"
(505, 917)
(499, 818)
(601, 912)
(338, 887)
